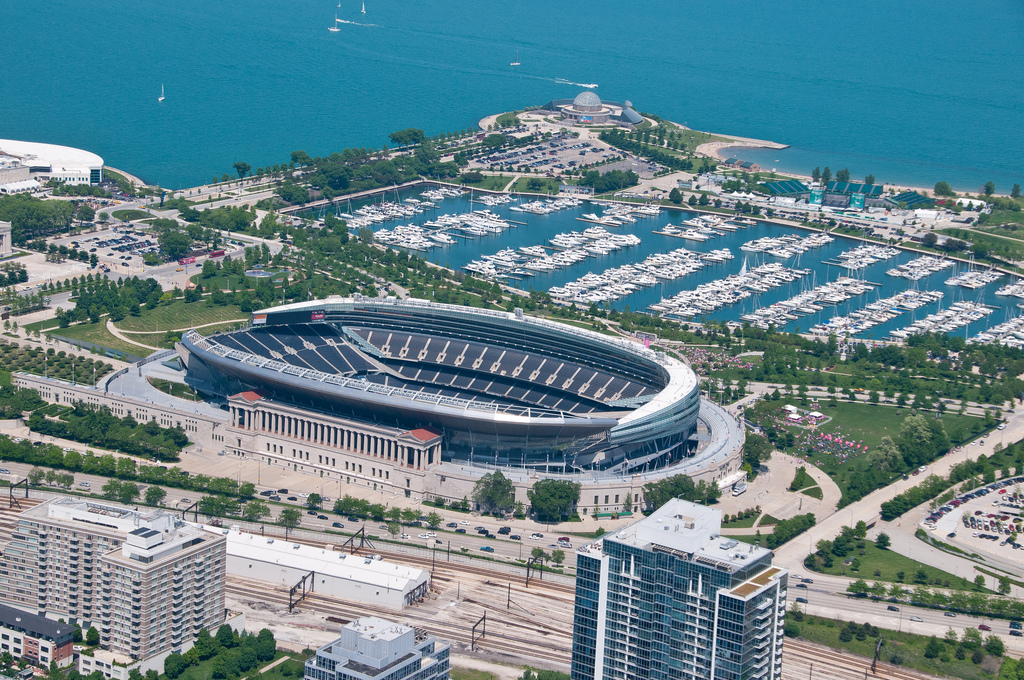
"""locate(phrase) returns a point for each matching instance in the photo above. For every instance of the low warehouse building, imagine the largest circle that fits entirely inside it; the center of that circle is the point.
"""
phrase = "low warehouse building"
(336, 574)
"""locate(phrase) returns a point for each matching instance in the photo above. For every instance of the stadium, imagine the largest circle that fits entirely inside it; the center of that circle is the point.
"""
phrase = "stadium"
(498, 388)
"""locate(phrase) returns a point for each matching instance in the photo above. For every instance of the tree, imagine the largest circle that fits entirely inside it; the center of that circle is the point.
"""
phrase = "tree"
(538, 553)
(1015, 192)
(554, 499)
(155, 495)
(226, 636)
(816, 174)
(407, 136)
(394, 528)
(289, 517)
(692, 200)
(434, 520)
(92, 636)
(314, 501)
(943, 189)
(558, 556)
(495, 493)
(933, 648)
(990, 188)
(883, 542)
(994, 645)
(843, 175)
(36, 476)
(826, 175)
(870, 179)
(254, 511)
(979, 582)
(175, 244)
(756, 449)
(174, 665)
(675, 196)
(242, 168)
(1004, 585)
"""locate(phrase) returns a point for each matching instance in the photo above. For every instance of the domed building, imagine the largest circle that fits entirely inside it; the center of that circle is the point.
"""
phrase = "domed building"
(589, 109)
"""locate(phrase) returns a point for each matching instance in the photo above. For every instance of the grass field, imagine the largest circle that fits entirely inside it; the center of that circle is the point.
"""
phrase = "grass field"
(130, 214)
(906, 648)
(174, 389)
(1007, 248)
(493, 182)
(889, 564)
(547, 185)
(97, 333)
(179, 314)
(871, 422)
(744, 523)
(814, 492)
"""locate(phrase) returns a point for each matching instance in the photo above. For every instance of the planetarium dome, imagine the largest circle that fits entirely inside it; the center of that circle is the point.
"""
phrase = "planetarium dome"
(587, 101)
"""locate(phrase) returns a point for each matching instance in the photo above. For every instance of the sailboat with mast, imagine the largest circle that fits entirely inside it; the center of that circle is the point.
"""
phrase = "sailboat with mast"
(516, 62)
(364, 7)
(161, 93)
(334, 28)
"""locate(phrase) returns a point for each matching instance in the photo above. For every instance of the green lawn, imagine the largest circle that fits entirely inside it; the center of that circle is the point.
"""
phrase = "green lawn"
(999, 247)
(744, 523)
(130, 214)
(906, 648)
(97, 333)
(814, 492)
(493, 182)
(888, 564)
(179, 314)
(31, 360)
(871, 422)
(537, 185)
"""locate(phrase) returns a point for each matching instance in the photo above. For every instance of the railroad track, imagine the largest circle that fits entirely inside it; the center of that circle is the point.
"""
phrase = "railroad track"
(532, 643)
(808, 661)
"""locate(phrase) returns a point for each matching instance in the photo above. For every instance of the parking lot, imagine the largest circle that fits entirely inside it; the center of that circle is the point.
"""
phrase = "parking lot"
(985, 520)
(552, 156)
(115, 248)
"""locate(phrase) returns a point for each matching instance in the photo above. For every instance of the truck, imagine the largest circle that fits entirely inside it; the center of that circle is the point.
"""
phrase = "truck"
(739, 488)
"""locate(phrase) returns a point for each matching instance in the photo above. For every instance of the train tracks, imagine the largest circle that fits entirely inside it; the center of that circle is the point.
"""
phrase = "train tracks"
(516, 633)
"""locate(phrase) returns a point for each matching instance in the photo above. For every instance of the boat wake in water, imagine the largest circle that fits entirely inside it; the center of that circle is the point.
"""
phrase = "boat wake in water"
(356, 23)
(563, 81)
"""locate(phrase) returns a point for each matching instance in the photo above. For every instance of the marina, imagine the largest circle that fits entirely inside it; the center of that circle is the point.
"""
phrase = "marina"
(877, 313)
(974, 279)
(959, 315)
(920, 267)
(712, 296)
(453, 241)
(808, 302)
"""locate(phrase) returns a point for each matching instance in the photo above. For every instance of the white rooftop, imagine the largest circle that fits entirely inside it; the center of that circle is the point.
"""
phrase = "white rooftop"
(377, 573)
(53, 155)
(688, 528)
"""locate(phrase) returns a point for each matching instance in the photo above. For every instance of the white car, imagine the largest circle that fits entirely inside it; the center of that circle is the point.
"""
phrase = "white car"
(303, 495)
(424, 536)
(464, 522)
(916, 619)
(536, 537)
(4, 471)
(84, 484)
(405, 535)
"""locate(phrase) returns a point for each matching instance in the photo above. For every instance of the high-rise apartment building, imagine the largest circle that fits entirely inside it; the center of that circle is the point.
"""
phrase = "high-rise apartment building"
(668, 598)
(371, 648)
(146, 580)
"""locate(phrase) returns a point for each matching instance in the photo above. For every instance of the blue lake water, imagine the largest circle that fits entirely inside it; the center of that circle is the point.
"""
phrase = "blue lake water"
(538, 229)
(912, 92)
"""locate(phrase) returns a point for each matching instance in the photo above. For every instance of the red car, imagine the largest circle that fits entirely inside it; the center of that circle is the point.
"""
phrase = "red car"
(982, 626)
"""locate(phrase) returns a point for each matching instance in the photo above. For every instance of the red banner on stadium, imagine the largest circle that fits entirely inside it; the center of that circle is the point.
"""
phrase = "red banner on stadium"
(316, 316)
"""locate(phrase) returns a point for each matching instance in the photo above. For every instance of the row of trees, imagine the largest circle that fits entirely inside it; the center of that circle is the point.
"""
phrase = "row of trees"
(788, 529)
(233, 654)
(96, 425)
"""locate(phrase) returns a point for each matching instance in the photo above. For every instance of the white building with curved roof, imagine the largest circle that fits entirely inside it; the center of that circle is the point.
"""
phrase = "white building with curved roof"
(26, 161)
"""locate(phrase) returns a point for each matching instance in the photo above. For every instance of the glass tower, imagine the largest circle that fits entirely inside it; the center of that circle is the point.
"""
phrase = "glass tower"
(668, 598)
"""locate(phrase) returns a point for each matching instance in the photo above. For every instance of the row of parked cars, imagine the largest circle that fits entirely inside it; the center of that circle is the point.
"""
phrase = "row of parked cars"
(999, 487)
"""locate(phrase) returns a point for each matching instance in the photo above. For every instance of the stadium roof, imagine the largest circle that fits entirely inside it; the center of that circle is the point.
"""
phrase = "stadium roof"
(785, 187)
(835, 187)
(61, 157)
